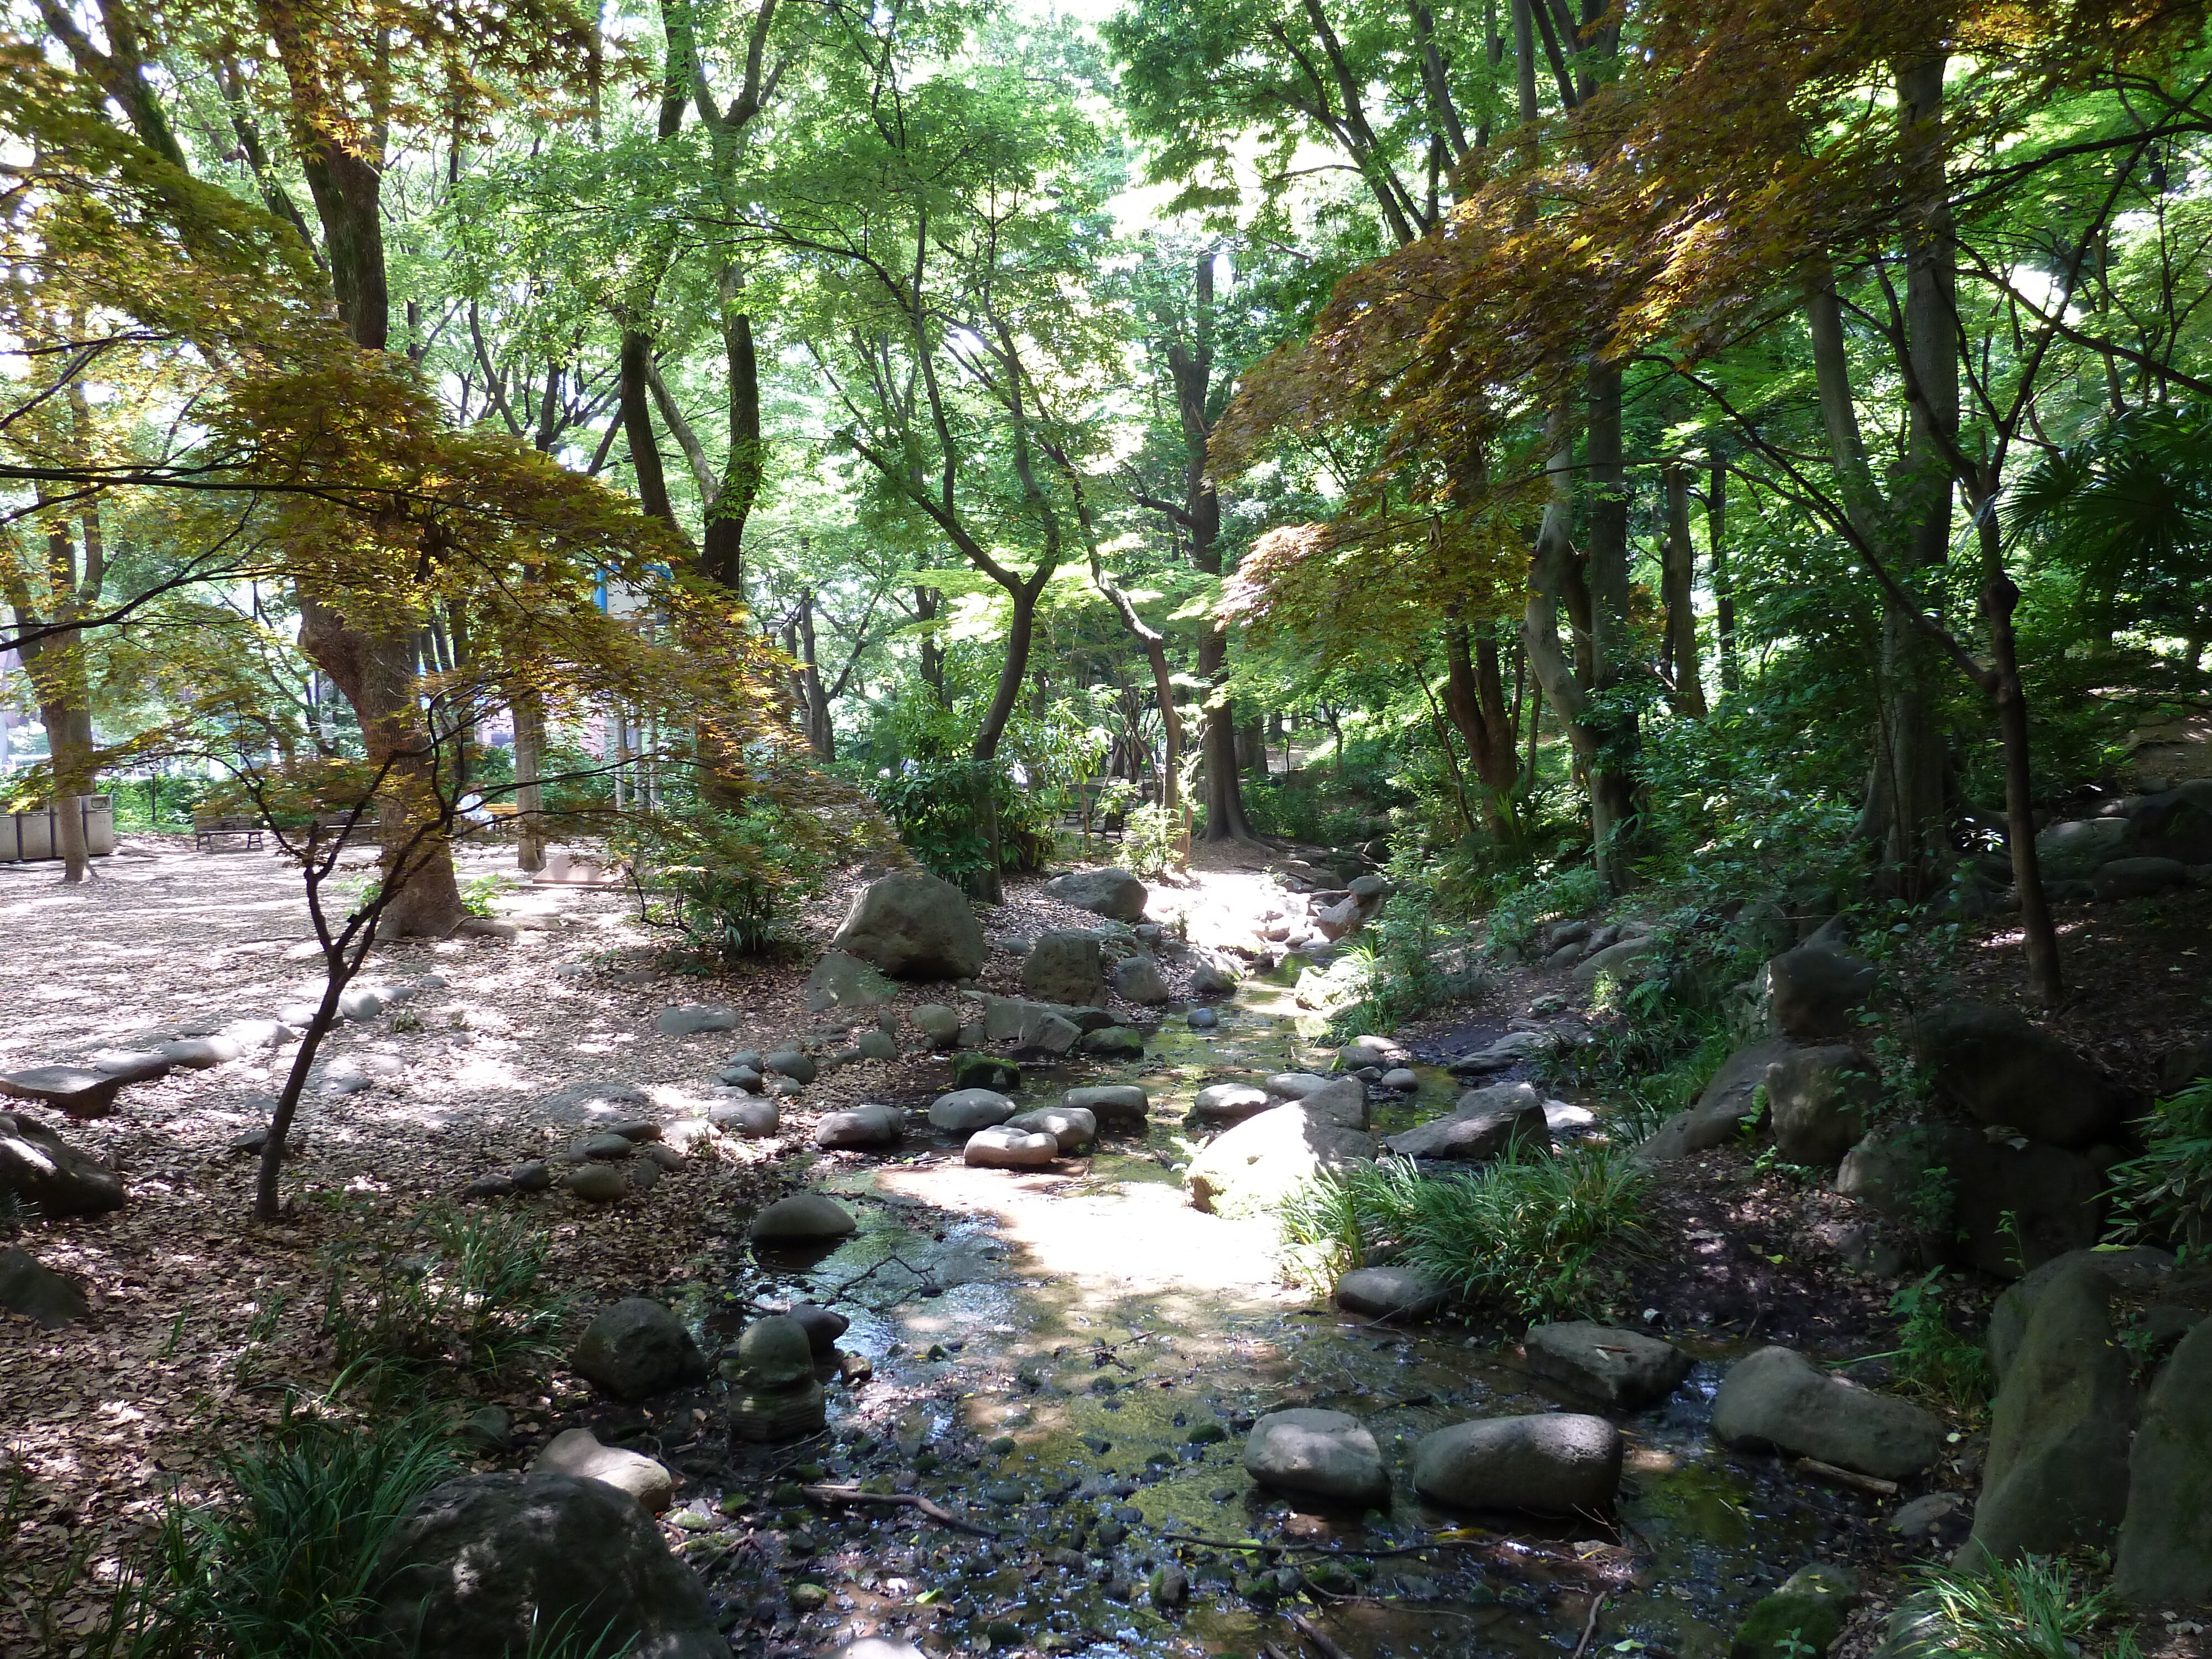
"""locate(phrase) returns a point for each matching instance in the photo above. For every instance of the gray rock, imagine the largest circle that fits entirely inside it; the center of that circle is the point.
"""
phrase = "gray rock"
(1822, 1100)
(486, 1564)
(1928, 1514)
(2056, 1474)
(361, 1003)
(592, 1103)
(1508, 1051)
(607, 1145)
(2002, 1069)
(77, 1091)
(688, 1019)
(965, 1110)
(490, 1429)
(1344, 1103)
(1327, 1456)
(1212, 977)
(1066, 966)
(1230, 1103)
(1818, 990)
(859, 1128)
(597, 1183)
(791, 1063)
(1889, 1170)
(634, 1350)
(940, 1025)
(1296, 1085)
(1072, 1127)
(2018, 1207)
(1111, 1102)
(2175, 824)
(2072, 851)
(1404, 1080)
(915, 926)
(39, 1170)
(802, 1218)
(877, 1045)
(2164, 1551)
(264, 1033)
(132, 1065)
(1138, 980)
(2140, 1271)
(1044, 1032)
(532, 1176)
(747, 1059)
(1627, 1369)
(1249, 1170)
(739, 1077)
(1002, 1147)
(1389, 1293)
(1722, 1109)
(1201, 1019)
(1619, 960)
(1803, 1618)
(1114, 1042)
(2123, 878)
(1482, 1128)
(841, 980)
(201, 1053)
(754, 1120)
(823, 1326)
(1556, 1464)
(491, 1186)
(1112, 893)
(38, 1293)
(1777, 1398)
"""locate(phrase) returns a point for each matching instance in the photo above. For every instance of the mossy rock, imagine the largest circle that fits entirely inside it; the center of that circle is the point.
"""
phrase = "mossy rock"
(1800, 1620)
(984, 1072)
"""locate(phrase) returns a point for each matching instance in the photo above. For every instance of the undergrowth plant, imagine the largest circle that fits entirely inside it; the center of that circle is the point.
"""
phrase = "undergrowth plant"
(1531, 1235)
(2032, 1608)
(2166, 1194)
(1933, 1359)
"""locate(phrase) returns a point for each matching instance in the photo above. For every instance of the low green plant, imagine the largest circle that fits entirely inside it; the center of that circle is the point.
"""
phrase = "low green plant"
(731, 881)
(460, 1289)
(481, 898)
(1533, 1235)
(2031, 1608)
(1151, 840)
(943, 809)
(1550, 895)
(1933, 1358)
(2166, 1194)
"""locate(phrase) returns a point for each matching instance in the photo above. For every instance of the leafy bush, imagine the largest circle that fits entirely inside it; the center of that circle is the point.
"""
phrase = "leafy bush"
(1303, 807)
(1531, 1236)
(2032, 1608)
(2166, 1194)
(1549, 895)
(941, 809)
(1933, 1359)
(731, 882)
(463, 1288)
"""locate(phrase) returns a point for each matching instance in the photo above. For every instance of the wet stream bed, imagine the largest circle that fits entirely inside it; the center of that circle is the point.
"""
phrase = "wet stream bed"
(1069, 1360)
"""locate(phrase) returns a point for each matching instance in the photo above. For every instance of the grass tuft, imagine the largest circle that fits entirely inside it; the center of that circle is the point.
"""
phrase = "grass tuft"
(2033, 1609)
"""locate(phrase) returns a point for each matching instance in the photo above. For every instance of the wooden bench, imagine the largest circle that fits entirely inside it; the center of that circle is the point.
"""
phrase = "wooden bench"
(206, 831)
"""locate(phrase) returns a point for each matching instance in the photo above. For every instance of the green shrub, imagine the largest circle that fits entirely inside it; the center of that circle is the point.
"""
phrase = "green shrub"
(730, 881)
(2166, 1194)
(2032, 1608)
(1531, 1235)
(1550, 896)
(941, 809)
(1933, 1358)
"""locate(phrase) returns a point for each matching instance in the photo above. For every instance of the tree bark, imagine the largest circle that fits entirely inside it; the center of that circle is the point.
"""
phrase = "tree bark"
(1723, 581)
(1679, 562)
(528, 795)
(819, 737)
(1475, 699)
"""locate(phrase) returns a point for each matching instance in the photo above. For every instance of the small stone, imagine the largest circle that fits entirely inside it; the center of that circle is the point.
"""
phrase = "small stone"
(1230, 1103)
(1114, 1042)
(939, 1023)
(1803, 1619)
(664, 1157)
(752, 1119)
(1004, 1148)
(491, 1186)
(985, 1071)
(531, 1177)
(690, 1019)
(609, 1147)
(578, 1452)
(1404, 1080)
(1073, 1127)
(132, 1065)
(636, 1349)
(739, 1077)
(823, 1326)
(38, 1293)
(488, 1429)
(859, 1128)
(596, 1183)
(874, 1045)
(1202, 1019)
(791, 1063)
(1625, 1369)
(964, 1111)
(200, 1054)
(1138, 979)
(1327, 1455)
(1111, 1102)
(800, 1219)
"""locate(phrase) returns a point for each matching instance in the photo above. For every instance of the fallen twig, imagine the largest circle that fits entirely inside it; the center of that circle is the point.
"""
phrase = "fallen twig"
(1873, 1484)
(1307, 1628)
(1590, 1625)
(901, 1500)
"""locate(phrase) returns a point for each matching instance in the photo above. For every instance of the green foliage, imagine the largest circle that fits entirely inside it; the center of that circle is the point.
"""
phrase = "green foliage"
(730, 881)
(1307, 806)
(1933, 1359)
(481, 897)
(2031, 1608)
(942, 810)
(2166, 1194)
(1531, 1235)
(1151, 840)
(1548, 894)
(460, 1289)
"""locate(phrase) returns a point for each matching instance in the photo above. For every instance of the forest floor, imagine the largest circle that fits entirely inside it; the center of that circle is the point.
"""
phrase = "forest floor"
(993, 1310)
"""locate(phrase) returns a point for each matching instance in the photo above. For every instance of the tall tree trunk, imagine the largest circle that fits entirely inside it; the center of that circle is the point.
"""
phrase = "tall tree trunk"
(819, 737)
(1012, 671)
(529, 793)
(1723, 581)
(1474, 698)
(1679, 564)
(721, 557)
(1999, 598)
(1612, 781)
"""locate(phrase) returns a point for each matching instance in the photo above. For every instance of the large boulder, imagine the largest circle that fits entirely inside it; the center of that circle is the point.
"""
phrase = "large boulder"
(1123, 1103)
(1818, 990)
(1389, 1293)
(1822, 1100)
(1114, 894)
(1249, 1170)
(38, 1293)
(1556, 1464)
(1618, 961)
(1138, 980)
(2072, 851)
(1327, 1456)
(1722, 1109)
(2001, 1068)
(1627, 1369)
(2019, 1207)
(2165, 1551)
(841, 980)
(1483, 1126)
(966, 1110)
(1778, 1399)
(636, 1349)
(39, 1169)
(1065, 966)
(2175, 824)
(579, 1452)
(487, 1564)
(2057, 1476)
(2126, 878)
(914, 926)
(2140, 1271)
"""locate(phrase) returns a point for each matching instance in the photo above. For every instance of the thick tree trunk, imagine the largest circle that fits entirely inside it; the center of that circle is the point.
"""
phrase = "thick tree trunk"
(1224, 795)
(528, 795)
(1679, 562)
(1474, 698)
(1011, 671)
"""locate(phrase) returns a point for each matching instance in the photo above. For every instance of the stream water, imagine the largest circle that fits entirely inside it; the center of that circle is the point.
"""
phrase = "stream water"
(1072, 1360)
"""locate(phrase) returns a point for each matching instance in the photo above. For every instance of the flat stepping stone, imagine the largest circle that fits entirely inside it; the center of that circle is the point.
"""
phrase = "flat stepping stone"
(859, 1128)
(597, 1183)
(1557, 1463)
(752, 1119)
(1111, 1102)
(688, 1019)
(1624, 1368)
(595, 1101)
(1004, 1147)
(1389, 1293)
(1296, 1085)
(202, 1054)
(1328, 1456)
(132, 1065)
(1230, 1102)
(1072, 1126)
(965, 1110)
(1403, 1078)
(801, 1218)
(78, 1091)
(578, 1452)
